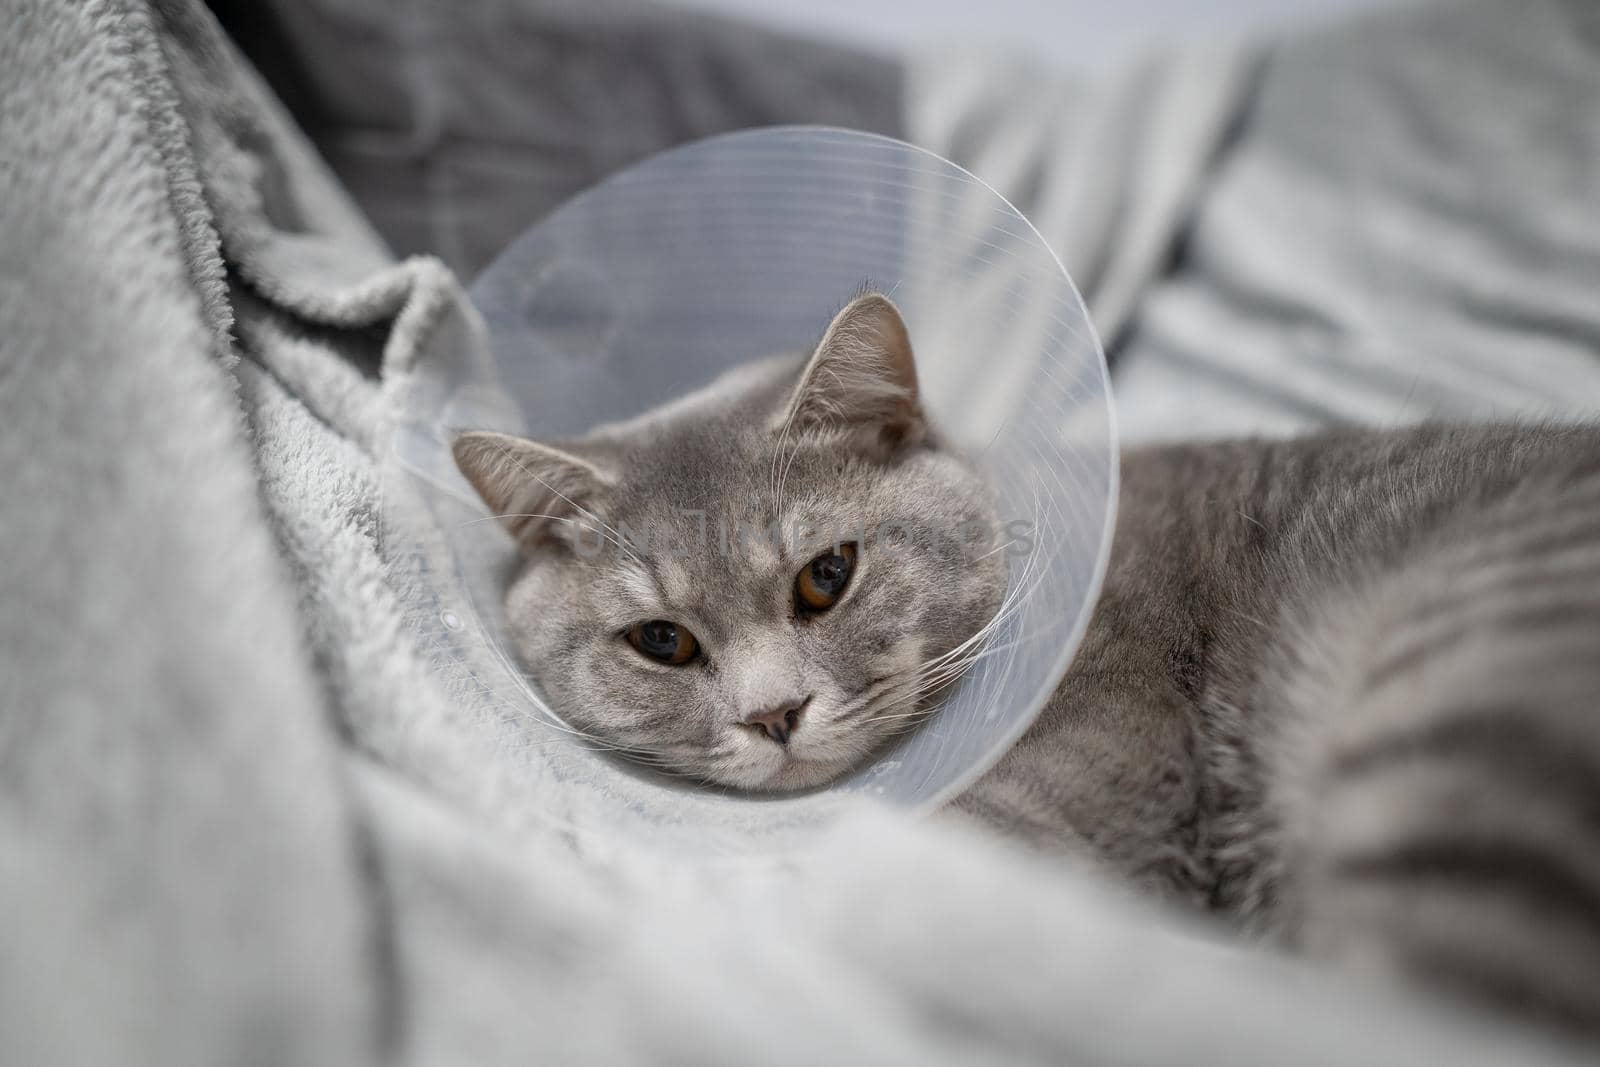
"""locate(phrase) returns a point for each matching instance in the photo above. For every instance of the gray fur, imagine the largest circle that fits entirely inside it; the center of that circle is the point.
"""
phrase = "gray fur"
(837, 445)
(1339, 689)
(1343, 690)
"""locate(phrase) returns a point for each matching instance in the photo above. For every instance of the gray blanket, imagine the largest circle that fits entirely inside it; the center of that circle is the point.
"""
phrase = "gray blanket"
(242, 819)
(1386, 221)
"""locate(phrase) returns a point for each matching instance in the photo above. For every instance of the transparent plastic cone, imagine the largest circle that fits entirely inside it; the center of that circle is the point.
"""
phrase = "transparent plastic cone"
(697, 260)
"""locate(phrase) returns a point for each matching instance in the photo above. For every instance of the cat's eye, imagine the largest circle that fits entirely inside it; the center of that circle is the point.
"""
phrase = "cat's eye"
(664, 641)
(822, 581)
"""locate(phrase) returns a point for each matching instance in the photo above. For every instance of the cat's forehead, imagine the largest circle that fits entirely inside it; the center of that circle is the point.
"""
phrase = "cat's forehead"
(713, 582)
(723, 463)
(704, 516)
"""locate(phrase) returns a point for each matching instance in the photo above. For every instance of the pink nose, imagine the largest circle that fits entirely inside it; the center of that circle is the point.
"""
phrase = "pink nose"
(779, 722)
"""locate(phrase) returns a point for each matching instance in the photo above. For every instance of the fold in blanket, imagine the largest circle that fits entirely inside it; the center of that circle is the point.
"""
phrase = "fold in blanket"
(1395, 222)
(244, 818)
(178, 856)
(459, 125)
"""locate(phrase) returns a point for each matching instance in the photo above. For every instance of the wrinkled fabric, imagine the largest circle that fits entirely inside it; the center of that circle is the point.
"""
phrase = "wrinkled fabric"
(456, 126)
(1382, 222)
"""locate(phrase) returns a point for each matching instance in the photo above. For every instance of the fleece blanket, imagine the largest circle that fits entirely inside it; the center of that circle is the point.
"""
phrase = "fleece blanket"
(241, 818)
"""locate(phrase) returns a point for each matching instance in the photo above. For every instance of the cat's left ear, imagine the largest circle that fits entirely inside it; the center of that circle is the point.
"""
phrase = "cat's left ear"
(861, 380)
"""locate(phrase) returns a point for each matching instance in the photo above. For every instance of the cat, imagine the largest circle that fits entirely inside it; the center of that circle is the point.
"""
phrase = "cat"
(665, 615)
(1343, 690)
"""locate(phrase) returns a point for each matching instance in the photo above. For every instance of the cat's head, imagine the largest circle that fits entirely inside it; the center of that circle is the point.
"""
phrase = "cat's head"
(762, 583)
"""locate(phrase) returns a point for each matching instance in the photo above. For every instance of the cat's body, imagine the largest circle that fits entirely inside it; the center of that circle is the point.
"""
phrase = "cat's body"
(1343, 689)
(1346, 690)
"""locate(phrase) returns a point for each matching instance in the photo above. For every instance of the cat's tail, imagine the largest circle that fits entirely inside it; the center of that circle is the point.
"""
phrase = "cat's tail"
(1439, 773)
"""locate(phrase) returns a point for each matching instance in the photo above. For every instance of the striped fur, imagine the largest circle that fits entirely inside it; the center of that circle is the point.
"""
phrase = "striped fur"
(1346, 691)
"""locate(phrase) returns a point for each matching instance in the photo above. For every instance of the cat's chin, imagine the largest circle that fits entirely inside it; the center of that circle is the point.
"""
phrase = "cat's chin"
(793, 775)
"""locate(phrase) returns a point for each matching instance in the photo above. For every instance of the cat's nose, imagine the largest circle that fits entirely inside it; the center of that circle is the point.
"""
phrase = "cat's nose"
(778, 722)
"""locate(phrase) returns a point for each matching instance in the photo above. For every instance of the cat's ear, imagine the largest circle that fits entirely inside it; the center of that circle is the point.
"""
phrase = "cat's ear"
(861, 380)
(539, 493)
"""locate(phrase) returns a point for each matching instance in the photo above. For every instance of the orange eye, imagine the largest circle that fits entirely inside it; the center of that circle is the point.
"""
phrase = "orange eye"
(663, 641)
(823, 580)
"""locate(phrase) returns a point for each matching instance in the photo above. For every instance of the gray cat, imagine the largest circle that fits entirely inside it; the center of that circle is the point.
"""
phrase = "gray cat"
(1342, 689)
(666, 616)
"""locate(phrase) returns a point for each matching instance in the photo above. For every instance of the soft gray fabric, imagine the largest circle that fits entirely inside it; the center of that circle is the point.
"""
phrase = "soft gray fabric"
(242, 818)
(174, 825)
(1400, 225)
(1109, 170)
(458, 125)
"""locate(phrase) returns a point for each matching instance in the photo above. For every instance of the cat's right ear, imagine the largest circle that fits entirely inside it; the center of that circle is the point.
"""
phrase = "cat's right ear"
(861, 381)
(537, 492)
